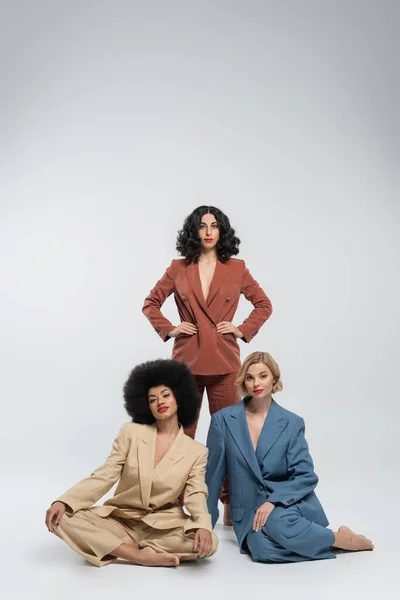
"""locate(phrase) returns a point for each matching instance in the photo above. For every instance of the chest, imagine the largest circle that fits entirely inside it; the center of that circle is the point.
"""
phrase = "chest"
(163, 444)
(206, 274)
(255, 424)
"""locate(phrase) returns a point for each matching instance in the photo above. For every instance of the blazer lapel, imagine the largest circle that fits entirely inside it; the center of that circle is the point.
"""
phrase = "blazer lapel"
(237, 424)
(172, 456)
(146, 449)
(273, 427)
(217, 280)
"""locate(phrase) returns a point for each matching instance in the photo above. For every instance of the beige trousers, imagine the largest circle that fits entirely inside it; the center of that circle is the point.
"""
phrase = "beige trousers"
(95, 537)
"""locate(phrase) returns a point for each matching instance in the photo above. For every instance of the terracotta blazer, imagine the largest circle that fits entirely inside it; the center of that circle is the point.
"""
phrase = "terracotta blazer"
(144, 493)
(208, 352)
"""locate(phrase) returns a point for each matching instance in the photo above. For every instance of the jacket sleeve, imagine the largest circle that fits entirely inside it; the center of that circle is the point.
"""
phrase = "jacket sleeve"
(154, 301)
(262, 306)
(302, 478)
(195, 496)
(89, 490)
(216, 466)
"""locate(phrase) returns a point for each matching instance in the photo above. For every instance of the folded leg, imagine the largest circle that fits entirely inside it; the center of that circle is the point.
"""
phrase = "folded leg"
(93, 537)
(287, 536)
(173, 541)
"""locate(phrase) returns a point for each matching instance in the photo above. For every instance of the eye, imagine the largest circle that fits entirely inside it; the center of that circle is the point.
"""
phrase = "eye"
(248, 377)
(201, 226)
(166, 395)
(264, 376)
(214, 226)
(152, 400)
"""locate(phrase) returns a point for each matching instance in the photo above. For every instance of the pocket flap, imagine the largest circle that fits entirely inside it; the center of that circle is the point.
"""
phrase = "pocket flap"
(236, 514)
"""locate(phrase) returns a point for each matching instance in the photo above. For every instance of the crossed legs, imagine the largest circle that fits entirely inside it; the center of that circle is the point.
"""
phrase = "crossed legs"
(102, 540)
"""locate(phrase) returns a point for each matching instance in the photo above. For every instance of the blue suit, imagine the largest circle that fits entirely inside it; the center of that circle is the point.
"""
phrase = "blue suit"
(280, 471)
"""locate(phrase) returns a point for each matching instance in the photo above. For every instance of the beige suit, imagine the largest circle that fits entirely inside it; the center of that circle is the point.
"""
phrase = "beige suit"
(144, 505)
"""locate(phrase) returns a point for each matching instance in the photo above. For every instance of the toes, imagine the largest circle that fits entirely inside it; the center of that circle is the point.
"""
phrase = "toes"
(228, 523)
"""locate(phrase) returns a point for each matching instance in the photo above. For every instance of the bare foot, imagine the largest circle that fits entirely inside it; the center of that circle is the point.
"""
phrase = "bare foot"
(151, 558)
(349, 540)
(227, 521)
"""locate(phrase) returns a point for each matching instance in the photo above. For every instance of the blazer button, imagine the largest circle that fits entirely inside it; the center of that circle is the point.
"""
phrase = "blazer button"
(290, 501)
(228, 298)
(261, 487)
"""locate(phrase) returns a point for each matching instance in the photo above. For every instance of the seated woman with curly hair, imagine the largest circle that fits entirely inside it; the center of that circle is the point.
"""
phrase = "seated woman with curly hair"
(154, 462)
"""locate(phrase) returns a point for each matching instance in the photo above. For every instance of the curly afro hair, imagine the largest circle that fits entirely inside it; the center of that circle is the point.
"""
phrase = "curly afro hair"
(171, 373)
(188, 241)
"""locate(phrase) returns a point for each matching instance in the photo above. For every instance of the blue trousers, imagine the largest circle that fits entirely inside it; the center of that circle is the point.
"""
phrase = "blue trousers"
(287, 536)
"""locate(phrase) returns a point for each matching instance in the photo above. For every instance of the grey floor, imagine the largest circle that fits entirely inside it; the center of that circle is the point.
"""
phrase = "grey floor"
(35, 564)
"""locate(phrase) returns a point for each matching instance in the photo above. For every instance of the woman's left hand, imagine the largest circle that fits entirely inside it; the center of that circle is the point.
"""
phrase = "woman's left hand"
(202, 543)
(262, 514)
(227, 327)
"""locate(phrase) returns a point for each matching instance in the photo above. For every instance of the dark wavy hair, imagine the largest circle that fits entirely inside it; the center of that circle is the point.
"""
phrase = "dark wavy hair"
(188, 241)
(171, 373)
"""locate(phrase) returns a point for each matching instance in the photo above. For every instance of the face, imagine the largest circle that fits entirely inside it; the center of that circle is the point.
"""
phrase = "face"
(259, 381)
(162, 402)
(208, 231)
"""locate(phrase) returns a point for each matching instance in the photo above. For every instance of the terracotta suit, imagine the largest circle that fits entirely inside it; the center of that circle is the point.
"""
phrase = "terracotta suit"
(214, 358)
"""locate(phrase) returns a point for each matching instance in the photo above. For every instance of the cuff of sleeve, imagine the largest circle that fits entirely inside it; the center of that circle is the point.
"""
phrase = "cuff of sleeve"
(204, 523)
(283, 501)
(68, 507)
(247, 335)
(244, 338)
(164, 331)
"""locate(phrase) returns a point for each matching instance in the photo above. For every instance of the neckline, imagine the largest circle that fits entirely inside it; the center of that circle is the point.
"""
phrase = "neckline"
(178, 435)
(248, 429)
(211, 282)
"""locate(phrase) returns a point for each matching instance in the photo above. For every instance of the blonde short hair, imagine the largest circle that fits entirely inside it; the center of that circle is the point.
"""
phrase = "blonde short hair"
(253, 359)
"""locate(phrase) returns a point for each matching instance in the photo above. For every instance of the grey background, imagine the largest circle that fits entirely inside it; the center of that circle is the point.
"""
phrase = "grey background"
(117, 119)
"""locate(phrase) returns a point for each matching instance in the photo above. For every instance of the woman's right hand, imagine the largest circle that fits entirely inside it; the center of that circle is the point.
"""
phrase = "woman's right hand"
(184, 328)
(54, 515)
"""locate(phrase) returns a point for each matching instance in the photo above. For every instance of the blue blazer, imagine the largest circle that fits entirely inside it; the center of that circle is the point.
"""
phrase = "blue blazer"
(280, 471)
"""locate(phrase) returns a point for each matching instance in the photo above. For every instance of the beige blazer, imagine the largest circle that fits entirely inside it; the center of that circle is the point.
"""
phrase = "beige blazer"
(144, 493)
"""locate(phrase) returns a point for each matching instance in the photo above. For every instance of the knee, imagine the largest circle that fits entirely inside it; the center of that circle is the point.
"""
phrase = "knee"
(65, 523)
(284, 524)
(273, 526)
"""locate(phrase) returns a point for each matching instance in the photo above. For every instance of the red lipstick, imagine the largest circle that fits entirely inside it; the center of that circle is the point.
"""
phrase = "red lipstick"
(162, 409)
(258, 391)
(208, 239)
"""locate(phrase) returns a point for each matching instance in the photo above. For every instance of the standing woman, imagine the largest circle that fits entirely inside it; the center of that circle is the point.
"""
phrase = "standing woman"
(261, 447)
(207, 283)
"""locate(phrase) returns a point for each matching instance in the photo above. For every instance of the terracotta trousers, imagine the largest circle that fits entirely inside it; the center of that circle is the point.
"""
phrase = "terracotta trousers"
(95, 537)
(221, 392)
